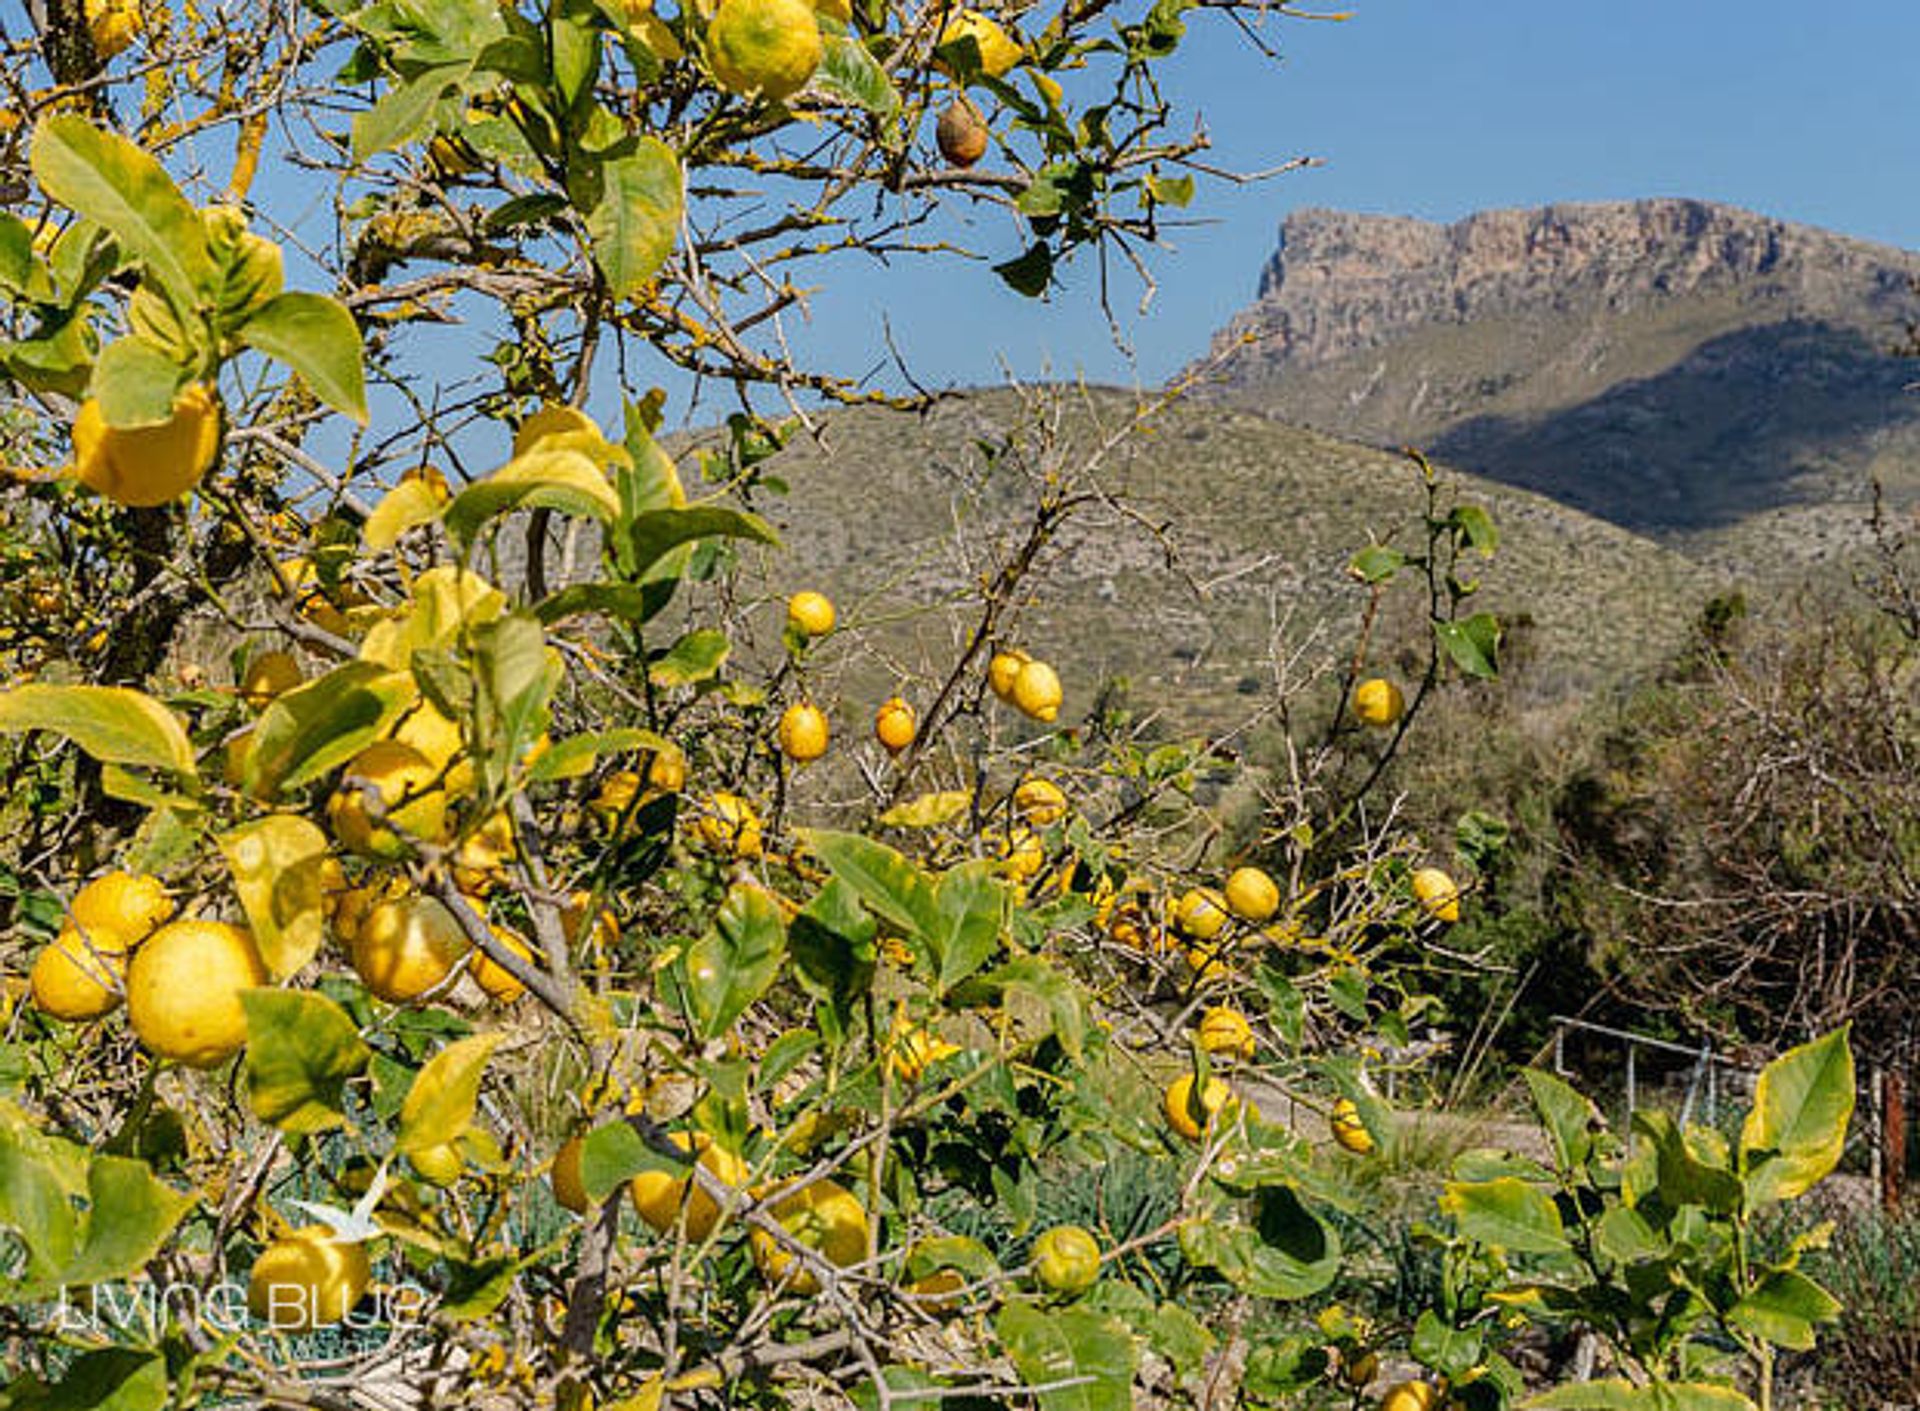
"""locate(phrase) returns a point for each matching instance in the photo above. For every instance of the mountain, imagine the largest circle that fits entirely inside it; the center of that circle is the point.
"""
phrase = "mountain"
(1221, 549)
(1718, 380)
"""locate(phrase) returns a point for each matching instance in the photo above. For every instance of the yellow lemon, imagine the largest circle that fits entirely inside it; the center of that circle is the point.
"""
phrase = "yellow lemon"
(183, 990)
(1003, 670)
(569, 1189)
(728, 824)
(307, 1280)
(1437, 894)
(1410, 1396)
(1225, 1032)
(411, 798)
(113, 25)
(811, 613)
(894, 725)
(823, 1216)
(74, 980)
(268, 675)
(1022, 855)
(495, 978)
(1036, 692)
(659, 1196)
(351, 905)
(998, 52)
(1347, 1128)
(117, 910)
(407, 947)
(768, 48)
(1186, 1116)
(1378, 702)
(482, 857)
(667, 772)
(1252, 895)
(1066, 1259)
(1201, 913)
(803, 733)
(1040, 801)
(148, 465)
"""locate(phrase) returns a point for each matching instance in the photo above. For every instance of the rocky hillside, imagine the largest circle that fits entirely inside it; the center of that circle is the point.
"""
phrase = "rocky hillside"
(1712, 377)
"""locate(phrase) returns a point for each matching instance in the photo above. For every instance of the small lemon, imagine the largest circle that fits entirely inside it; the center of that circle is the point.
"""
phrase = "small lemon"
(728, 824)
(667, 772)
(117, 910)
(1347, 1128)
(1410, 1396)
(1252, 895)
(998, 52)
(1437, 894)
(1040, 802)
(493, 977)
(659, 1196)
(74, 980)
(1377, 702)
(1201, 913)
(1003, 670)
(569, 1188)
(1359, 1368)
(960, 134)
(1066, 1259)
(894, 724)
(145, 466)
(1184, 1115)
(1036, 692)
(1225, 1032)
(268, 675)
(184, 987)
(803, 733)
(811, 613)
(407, 947)
(307, 1280)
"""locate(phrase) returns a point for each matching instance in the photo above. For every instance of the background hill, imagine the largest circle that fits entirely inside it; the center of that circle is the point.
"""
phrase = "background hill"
(1724, 382)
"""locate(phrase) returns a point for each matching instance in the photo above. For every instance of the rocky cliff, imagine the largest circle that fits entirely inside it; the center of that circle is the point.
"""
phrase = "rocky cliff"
(1673, 365)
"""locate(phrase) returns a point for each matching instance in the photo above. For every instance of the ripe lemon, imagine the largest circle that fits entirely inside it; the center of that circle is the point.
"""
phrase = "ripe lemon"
(803, 733)
(1036, 692)
(1378, 702)
(407, 947)
(1040, 801)
(1066, 1259)
(113, 25)
(1003, 670)
(1226, 1032)
(148, 465)
(823, 1216)
(764, 47)
(1410, 1396)
(1252, 895)
(411, 797)
(1347, 1128)
(1359, 1368)
(1201, 913)
(659, 1196)
(998, 52)
(728, 824)
(569, 1188)
(1437, 894)
(667, 772)
(811, 613)
(307, 1280)
(495, 978)
(117, 910)
(894, 725)
(268, 675)
(1182, 1113)
(482, 857)
(183, 990)
(74, 980)
(351, 905)
(439, 742)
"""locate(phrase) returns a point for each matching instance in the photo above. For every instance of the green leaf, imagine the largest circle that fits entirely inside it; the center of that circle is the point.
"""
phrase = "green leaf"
(439, 1106)
(1683, 1177)
(109, 1379)
(277, 865)
(1170, 190)
(302, 1048)
(1376, 563)
(637, 214)
(320, 725)
(1507, 1214)
(1475, 526)
(113, 181)
(1473, 644)
(832, 940)
(318, 339)
(696, 657)
(135, 382)
(848, 72)
(1085, 1358)
(553, 478)
(129, 1216)
(1030, 273)
(1054, 995)
(404, 111)
(1794, 1133)
(1570, 1119)
(735, 962)
(613, 1154)
(1613, 1394)
(574, 756)
(1442, 1347)
(890, 886)
(113, 724)
(969, 913)
(1288, 1252)
(655, 533)
(1783, 1309)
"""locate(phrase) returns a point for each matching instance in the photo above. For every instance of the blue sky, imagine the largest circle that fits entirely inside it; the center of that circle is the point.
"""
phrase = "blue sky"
(1436, 109)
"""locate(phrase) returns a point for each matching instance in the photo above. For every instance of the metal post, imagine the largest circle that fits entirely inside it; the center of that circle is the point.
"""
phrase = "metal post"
(1560, 1050)
(1632, 1097)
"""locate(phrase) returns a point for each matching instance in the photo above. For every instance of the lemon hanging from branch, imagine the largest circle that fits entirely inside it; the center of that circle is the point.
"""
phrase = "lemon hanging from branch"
(145, 466)
(764, 48)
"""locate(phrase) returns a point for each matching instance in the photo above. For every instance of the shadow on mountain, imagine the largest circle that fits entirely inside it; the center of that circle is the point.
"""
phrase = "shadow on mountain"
(1750, 421)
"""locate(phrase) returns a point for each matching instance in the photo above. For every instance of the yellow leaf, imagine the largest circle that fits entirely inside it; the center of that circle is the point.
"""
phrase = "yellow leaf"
(928, 810)
(277, 866)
